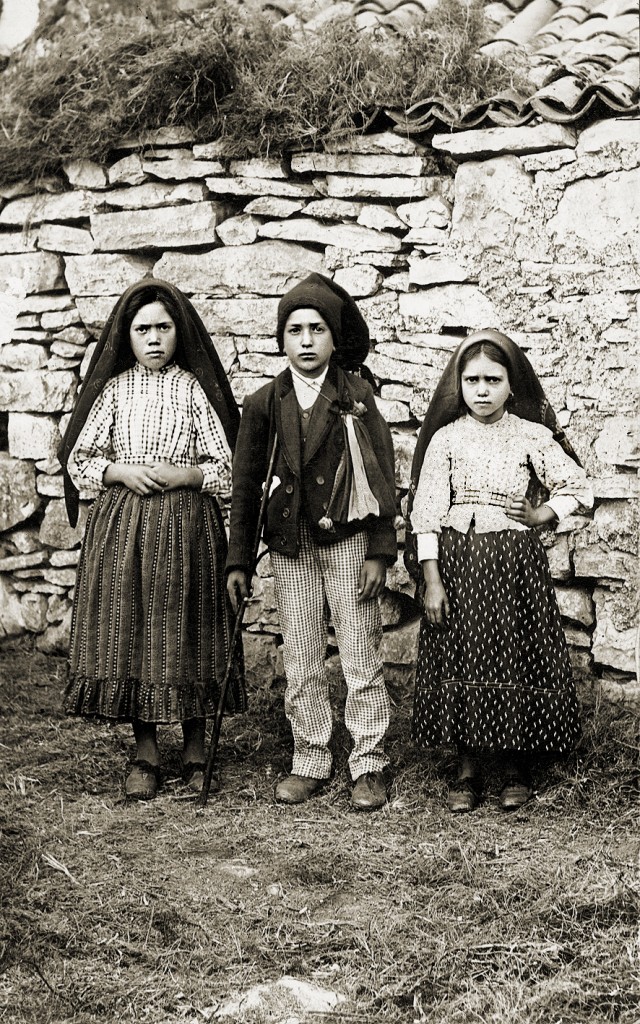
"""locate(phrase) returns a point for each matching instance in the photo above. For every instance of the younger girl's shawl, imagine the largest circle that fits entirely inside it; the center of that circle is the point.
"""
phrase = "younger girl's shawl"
(113, 355)
(529, 402)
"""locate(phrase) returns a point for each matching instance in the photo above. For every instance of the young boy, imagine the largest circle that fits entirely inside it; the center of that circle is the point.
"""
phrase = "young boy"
(329, 528)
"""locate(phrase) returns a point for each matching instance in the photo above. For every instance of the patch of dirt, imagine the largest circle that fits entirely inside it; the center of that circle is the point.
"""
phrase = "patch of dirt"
(153, 913)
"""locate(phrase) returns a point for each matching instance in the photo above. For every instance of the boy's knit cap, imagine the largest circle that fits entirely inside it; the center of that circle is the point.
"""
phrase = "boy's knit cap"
(339, 310)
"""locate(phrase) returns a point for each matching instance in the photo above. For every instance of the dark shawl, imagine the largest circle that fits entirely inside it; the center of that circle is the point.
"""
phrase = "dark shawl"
(195, 352)
(529, 402)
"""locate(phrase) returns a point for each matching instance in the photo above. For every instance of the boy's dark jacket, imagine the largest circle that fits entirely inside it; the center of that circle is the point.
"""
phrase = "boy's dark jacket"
(304, 483)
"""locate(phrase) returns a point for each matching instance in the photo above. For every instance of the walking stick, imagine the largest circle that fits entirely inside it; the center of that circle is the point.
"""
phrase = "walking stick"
(237, 627)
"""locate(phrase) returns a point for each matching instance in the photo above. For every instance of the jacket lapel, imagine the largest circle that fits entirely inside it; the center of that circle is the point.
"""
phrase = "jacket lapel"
(288, 421)
(322, 419)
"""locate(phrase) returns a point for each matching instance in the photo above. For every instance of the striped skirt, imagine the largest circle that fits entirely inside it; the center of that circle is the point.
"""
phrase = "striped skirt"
(498, 676)
(152, 623)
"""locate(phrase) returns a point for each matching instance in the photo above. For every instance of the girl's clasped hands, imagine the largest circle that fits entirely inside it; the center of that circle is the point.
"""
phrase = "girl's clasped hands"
(160, 476)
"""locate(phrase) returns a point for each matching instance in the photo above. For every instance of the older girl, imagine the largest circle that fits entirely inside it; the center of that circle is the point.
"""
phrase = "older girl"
(493, 670)
(150, 438)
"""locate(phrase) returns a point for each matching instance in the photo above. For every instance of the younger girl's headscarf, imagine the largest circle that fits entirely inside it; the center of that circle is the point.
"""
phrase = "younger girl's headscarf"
(529, 402)
(113, 354)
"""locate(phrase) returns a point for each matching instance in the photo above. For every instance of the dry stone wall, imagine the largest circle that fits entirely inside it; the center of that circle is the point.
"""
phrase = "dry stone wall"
(534, 230)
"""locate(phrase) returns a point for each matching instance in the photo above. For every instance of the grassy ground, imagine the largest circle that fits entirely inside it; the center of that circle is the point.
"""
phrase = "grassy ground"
(152, 913)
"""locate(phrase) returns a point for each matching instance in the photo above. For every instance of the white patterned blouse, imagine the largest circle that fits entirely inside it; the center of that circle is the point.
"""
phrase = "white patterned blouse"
(144, 416)
(472, 469)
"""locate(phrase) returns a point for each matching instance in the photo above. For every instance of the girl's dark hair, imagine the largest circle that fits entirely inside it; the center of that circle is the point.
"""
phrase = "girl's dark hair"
(488, 349)
(143, 298)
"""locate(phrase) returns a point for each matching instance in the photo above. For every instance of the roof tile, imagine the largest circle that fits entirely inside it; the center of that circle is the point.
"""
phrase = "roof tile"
(583, 57)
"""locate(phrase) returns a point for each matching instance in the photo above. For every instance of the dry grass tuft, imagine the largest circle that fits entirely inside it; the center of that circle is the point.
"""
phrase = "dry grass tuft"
(231, 73)
(154, 914)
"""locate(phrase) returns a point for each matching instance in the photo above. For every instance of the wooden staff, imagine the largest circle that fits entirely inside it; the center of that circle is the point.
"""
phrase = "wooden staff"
(237, 628)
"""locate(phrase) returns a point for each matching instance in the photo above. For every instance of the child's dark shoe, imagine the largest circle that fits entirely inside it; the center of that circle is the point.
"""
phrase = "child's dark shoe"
(464, 795)
(142, 781)
(369, 792)
(515, 793)
(295, 789)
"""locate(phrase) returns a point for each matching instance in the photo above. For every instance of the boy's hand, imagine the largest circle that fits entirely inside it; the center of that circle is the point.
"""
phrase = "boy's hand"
(237, 588)
(372, 578)
(522, 511)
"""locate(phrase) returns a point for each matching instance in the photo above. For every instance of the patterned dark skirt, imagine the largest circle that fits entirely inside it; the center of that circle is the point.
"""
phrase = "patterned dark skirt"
(152, 623)
(498, 677)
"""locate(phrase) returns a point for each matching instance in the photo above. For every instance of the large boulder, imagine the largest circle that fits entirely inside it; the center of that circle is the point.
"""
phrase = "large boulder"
(37, 391)
(33, 437)
(105, 273)
(599, 218)
(11, 610)
(495, 211)
(266, 268)
(18, 496)
(616, 634)
(55, 529)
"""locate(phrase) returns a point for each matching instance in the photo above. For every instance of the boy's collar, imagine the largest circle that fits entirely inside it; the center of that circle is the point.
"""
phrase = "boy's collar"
(307, 389)
(285, 378)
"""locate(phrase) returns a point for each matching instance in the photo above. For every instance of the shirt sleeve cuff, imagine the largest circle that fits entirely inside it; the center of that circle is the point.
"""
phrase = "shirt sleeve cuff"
(216, 479)
(427, 546)
(563, 505)
(92, 472)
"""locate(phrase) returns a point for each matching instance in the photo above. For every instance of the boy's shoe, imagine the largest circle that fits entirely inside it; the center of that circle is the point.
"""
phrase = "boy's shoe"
(369, 792)
(464, 795)
(142, 781)
(295, 789)
(515, 793)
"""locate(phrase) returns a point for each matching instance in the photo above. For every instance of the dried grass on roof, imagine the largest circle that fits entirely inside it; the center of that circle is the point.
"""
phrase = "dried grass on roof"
(232, 73)
(153, 914)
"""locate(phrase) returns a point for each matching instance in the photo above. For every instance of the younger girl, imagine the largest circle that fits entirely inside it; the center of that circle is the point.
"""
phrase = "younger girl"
(150, 436)
(493, 670)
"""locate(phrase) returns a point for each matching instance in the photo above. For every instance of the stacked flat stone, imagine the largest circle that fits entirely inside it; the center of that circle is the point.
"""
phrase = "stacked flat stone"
(533, 231)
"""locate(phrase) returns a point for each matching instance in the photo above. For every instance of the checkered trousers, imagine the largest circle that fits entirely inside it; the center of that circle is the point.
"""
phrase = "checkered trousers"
(322, 580)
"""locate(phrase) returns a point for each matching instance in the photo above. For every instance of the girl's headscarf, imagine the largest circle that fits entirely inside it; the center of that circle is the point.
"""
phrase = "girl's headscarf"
(113, 354)
(529, 402)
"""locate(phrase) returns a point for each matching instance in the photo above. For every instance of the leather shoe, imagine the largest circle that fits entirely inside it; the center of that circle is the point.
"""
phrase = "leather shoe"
(295, 789)
(142, 781)
(464, 795)
(515, 793)
(369, 792)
